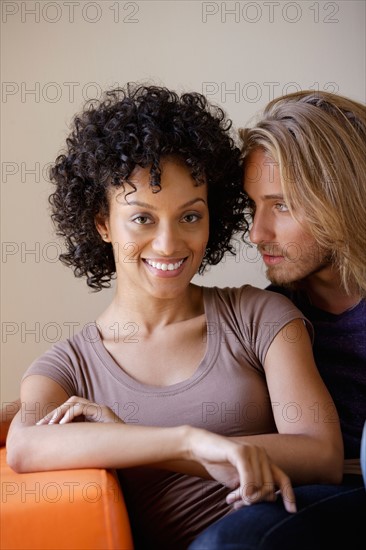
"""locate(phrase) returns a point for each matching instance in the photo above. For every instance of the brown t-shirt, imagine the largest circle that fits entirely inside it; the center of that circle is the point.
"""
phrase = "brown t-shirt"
(227, 394)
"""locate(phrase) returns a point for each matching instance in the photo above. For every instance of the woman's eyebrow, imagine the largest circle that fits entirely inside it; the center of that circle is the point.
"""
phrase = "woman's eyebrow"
(150, 206)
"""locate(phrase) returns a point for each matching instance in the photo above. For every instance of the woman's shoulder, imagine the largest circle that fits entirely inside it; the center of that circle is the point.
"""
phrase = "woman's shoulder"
(69, 352)
(65, 359)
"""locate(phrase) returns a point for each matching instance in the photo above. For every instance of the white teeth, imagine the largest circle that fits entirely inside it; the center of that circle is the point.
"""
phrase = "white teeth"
(165, 267)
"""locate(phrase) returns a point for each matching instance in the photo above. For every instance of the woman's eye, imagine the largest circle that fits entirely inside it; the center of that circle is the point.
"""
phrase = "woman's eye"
(191, 218)
(142, 220)
(281, 207)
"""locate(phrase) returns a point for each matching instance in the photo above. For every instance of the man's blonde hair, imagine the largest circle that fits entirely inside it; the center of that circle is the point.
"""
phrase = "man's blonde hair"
(318, 140)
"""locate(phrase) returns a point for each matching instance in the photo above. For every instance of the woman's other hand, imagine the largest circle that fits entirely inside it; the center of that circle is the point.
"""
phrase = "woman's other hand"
(78, 406)
(245, 468)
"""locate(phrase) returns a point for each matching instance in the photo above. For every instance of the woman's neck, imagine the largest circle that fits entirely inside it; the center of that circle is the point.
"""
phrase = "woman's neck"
(151, 314)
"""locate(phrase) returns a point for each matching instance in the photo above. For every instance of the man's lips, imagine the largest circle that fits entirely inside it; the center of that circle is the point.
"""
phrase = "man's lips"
(270, 259)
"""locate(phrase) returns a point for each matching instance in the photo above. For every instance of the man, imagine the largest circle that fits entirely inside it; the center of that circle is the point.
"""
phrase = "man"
(305, 176)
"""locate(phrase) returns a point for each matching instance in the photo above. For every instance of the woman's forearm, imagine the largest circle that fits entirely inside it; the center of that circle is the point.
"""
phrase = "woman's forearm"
(93, 445)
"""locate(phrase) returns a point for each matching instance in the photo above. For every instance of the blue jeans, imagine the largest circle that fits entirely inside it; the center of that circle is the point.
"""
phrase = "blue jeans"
(328, 516)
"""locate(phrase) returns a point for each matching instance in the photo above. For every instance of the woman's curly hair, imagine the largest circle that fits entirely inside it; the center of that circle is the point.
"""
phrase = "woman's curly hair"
(137, 126)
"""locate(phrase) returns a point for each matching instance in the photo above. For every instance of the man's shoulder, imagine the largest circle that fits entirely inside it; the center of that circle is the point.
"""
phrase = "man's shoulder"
(281, 290)
(297, 296)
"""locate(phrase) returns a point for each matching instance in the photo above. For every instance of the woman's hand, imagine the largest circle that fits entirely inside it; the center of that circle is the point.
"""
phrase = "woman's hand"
(78, 406)
(246, 468)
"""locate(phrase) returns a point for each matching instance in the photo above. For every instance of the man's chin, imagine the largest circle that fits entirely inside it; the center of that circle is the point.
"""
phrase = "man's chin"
(280, 279)
(291, 285)
(295, 278)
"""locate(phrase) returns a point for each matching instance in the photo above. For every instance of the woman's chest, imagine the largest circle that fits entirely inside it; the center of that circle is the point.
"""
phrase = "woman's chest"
(165, 357)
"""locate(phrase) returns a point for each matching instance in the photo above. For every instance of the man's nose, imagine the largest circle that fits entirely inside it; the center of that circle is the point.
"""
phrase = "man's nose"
(261, 229)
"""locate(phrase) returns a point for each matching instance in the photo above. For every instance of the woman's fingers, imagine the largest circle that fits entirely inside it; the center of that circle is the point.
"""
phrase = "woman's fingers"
(285, 488)
(74, 410)
(79, 406)
(259, 480)
(73, 407)
(256, 480)
(256, 461)
(64, 413)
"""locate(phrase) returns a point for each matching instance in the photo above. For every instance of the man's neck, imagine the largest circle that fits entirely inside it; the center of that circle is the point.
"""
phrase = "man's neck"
(326, 292)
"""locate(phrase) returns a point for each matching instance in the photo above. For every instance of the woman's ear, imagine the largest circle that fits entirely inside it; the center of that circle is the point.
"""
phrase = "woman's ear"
(102, 227)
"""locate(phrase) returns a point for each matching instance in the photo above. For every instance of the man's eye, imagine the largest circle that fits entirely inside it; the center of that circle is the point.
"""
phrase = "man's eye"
(281, 207)
(142, 220)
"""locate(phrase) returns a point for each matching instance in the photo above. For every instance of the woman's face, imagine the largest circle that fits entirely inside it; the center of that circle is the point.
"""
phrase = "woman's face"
(158, 239)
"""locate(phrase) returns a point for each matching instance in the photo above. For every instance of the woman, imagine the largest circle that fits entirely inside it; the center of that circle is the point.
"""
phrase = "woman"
(191, 393)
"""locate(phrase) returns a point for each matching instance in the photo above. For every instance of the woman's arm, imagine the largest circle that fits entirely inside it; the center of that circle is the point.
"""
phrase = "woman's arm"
(55, 446)
(7, 413)
(309, 445)
(33, 447)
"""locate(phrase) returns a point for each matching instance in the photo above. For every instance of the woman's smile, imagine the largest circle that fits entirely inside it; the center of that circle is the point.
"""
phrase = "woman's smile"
(165, 268)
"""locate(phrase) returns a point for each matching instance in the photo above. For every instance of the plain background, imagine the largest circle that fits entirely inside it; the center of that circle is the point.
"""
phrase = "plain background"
(55, 55)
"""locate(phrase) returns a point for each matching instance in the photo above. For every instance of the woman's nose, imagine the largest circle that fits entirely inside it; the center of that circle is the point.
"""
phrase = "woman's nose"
(166, 241)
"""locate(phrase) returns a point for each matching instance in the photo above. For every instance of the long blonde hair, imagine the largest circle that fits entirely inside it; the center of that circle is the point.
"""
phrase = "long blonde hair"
(318, 140)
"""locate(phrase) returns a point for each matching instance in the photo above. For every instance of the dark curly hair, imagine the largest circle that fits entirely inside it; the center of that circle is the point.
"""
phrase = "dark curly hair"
(138, 125)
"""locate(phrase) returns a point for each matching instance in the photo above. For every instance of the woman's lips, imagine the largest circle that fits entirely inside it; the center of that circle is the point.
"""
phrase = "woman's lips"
(165, 268)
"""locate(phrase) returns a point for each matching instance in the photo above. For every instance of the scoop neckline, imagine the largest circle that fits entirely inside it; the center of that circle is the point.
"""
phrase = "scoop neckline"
(205, 365)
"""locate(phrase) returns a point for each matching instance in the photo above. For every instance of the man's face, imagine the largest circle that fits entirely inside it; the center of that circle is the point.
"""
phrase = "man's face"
(288, 249)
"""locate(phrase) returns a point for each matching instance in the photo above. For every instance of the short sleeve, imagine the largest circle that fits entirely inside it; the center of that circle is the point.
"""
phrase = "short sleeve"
(264, 314)
(58, 363)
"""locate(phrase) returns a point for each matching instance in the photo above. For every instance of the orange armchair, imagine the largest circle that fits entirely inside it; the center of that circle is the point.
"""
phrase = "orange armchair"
(62, 510)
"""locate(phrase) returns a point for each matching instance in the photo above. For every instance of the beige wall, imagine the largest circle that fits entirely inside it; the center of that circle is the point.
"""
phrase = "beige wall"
(56, 54)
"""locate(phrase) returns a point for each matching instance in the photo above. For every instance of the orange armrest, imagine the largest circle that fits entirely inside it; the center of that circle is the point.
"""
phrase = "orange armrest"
(66, 509)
